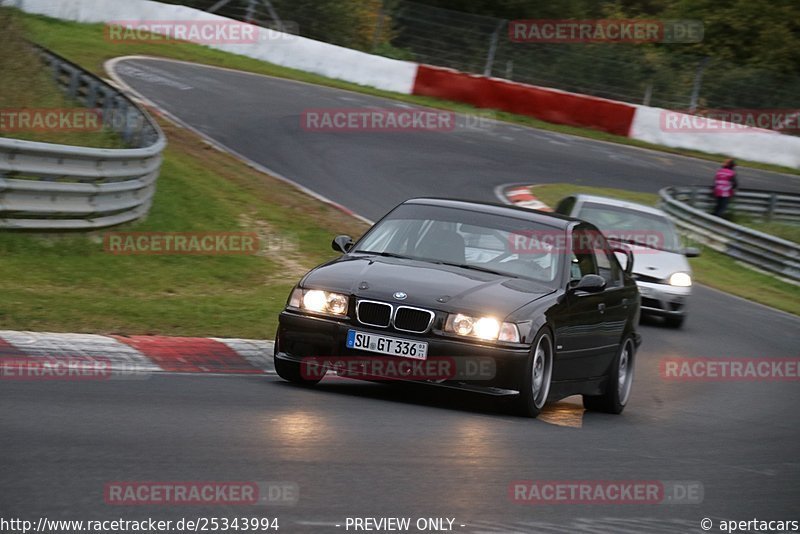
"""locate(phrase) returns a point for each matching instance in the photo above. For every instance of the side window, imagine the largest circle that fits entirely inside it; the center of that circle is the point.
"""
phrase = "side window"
(582, 258)
(608, 268)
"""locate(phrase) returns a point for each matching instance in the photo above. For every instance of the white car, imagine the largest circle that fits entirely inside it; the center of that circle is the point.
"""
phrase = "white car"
(660, 267)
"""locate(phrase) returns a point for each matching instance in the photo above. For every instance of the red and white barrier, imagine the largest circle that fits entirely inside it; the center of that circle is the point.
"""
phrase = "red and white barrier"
(550, 105)
(521, 196)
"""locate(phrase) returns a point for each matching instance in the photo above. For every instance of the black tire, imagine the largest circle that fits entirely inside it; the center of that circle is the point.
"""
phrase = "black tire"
(674, 321)
(617, 394)
(291, 371)
(538, 375)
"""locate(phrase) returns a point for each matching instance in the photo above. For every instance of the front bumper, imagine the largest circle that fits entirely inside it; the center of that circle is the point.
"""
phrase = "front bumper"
(663, 300)
(302, 337)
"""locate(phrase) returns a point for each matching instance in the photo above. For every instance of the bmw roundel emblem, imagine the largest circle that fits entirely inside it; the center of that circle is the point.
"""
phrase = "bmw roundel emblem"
(399, 295)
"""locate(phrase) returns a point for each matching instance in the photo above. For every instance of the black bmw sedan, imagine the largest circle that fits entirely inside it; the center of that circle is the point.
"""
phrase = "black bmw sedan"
(484, 297)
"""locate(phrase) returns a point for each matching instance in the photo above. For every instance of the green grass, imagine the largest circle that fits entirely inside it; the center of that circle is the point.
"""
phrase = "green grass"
(712, 268)
(85, 44)
(789, 232)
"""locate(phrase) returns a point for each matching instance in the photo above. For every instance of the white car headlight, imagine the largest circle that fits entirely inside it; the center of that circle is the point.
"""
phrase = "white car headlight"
(680, 280)
(315, 300)
(487, 328)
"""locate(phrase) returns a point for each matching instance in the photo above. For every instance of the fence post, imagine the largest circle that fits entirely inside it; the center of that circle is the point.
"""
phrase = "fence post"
(698, 81)
(648, 94)
(376, 36)
(249, 16)
(487, 71)
(274, 16)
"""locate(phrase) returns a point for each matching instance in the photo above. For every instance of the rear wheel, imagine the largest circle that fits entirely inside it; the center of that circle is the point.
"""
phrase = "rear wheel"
(618, 384)
(538, 375)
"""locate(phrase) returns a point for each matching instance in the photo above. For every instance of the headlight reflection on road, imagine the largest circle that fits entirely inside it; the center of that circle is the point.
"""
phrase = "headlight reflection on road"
(563, 414)
(300, 432)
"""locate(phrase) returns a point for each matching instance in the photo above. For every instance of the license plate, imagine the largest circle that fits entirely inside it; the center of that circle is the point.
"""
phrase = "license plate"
(417, 350)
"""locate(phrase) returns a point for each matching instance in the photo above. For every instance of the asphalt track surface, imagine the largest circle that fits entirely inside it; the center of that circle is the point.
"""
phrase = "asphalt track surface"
(358, 449)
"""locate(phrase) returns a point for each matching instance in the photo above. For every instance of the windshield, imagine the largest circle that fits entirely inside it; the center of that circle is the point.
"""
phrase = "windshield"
(632, 226)
(470, 239)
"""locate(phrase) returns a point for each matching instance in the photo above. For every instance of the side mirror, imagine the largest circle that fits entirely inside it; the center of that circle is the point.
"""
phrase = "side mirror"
(342, 243)
(691, 252)
(591, 283)
(625, 257)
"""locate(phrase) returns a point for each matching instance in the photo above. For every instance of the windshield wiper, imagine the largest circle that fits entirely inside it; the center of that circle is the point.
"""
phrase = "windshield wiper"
(385, 254)
(636, 242)
(438, 262)
(474, 268)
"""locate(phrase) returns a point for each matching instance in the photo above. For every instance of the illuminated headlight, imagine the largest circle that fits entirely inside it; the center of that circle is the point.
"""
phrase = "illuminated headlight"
(315, 300)
(680, 280)
(487, 328)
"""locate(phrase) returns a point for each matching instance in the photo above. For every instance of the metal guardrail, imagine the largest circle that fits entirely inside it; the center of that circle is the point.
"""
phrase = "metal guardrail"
(46, 186)
(763, 251)
(765, 205)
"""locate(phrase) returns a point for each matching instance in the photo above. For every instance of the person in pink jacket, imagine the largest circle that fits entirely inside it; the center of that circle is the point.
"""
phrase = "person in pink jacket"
(724, 186)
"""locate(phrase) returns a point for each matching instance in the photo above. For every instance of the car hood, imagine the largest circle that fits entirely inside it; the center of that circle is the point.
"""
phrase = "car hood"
(656, 263)
(428, 285)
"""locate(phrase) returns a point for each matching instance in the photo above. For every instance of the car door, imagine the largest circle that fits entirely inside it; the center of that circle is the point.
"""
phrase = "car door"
(617, 299)
(581, 342)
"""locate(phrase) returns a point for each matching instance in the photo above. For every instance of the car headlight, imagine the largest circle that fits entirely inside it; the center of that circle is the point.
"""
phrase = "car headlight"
(487, 328)
(318, 301)
(680, 280)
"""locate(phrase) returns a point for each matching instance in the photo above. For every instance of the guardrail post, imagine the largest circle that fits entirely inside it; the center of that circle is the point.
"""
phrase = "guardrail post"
(91, 94)
(74, 78)
(773, 202)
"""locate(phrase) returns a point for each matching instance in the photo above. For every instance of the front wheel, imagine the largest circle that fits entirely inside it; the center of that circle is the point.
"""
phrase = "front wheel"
(674, 321)
(293, 372)
(538, 375)
(618, 384)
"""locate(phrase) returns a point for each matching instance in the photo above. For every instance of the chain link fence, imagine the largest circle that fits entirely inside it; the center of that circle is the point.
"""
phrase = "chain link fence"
(660, 75)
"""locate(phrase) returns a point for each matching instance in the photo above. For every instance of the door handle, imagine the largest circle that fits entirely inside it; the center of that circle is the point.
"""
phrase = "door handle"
(601, 307)
(625, 303)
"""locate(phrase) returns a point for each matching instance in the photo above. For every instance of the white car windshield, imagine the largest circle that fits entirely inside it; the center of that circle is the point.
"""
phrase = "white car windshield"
(632, 226)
